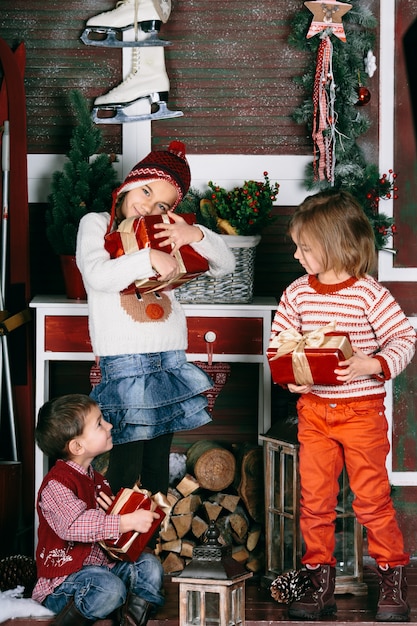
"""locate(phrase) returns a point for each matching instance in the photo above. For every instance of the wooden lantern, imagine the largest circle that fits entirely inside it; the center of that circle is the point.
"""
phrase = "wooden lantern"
(282, 515)
(212, 586)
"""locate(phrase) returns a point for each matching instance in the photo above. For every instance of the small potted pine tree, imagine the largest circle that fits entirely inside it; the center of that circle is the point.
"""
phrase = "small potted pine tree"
(84, 185)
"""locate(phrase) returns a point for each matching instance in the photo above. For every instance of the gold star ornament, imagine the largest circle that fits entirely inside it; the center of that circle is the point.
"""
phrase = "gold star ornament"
(327, 15)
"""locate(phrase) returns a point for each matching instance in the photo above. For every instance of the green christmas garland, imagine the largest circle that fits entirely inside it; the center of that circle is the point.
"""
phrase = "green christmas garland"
(351, 171)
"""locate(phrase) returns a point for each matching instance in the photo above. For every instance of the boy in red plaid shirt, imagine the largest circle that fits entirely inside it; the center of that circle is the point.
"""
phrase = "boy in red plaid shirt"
(77, 579)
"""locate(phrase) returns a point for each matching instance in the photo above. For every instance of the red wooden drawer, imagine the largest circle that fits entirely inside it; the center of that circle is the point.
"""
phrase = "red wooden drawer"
(67, 333)
(234, 335)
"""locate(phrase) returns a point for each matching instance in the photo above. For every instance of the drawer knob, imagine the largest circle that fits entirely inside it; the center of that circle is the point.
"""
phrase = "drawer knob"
(210, 336)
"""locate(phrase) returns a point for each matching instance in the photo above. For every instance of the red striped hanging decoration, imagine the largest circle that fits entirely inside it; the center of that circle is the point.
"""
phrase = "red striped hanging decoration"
(324, 123)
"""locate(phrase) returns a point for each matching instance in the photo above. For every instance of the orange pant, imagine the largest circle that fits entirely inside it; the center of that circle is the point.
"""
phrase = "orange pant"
(354, 434)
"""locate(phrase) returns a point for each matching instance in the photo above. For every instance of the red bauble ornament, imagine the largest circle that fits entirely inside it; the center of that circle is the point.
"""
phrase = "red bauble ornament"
(364, 96)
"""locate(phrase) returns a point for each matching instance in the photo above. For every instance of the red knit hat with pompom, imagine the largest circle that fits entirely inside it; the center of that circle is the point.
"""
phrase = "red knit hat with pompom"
(170, 165)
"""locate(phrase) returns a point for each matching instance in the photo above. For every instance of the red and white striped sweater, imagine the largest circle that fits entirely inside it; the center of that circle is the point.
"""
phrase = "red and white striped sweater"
(361, 307)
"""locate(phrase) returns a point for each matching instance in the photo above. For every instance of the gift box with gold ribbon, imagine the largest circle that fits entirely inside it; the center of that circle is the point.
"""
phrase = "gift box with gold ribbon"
(310, 358)
(137, 233)
(130, 545)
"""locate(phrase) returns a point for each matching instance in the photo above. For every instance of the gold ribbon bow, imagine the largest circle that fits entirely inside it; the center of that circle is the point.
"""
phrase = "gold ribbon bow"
(162, 501)
(158, 499)
(130, 245)
(292, 341)
(128, 236)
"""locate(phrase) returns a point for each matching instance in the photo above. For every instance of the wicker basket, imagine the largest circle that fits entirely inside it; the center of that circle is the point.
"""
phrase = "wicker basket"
(232, 288)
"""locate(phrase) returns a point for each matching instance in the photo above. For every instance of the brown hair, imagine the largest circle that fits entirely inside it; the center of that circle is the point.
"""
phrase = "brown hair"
(118, 215)
(59, 421)
(337, 223)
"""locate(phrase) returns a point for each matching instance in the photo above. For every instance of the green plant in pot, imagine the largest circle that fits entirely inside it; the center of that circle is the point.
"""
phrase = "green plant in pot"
(239, 215)
(84, 185)
(241, 211)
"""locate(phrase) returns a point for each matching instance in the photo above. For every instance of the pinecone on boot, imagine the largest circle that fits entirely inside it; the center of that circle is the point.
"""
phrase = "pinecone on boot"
(318, 599)
(392, 603)
(18, 570)
(289, 587)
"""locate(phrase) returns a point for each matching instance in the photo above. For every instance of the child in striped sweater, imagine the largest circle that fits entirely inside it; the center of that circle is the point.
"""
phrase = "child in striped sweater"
(345, 424)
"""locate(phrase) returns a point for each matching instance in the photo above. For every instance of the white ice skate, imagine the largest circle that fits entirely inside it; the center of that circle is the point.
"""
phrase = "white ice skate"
(148, 79)
(144, 16)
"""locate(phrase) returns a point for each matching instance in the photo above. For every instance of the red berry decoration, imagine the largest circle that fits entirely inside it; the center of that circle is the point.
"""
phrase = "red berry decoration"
(364, 96)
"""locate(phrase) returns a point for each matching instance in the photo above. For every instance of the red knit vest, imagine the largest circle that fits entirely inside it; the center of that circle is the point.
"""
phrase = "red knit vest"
(56, 556)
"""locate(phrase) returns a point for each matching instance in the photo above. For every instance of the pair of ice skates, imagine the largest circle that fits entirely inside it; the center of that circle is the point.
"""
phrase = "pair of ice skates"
(148, 78)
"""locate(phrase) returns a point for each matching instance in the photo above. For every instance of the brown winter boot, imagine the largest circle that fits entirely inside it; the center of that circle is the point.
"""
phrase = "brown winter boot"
(318, 599)
(70, 616)
(135, 612)
(392, 603)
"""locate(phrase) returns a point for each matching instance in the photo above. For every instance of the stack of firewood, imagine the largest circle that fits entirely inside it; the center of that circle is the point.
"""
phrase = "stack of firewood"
(222, 485)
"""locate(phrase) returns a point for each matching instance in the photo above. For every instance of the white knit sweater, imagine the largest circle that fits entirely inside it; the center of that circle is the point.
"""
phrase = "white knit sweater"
(122, 324)
(363, 308)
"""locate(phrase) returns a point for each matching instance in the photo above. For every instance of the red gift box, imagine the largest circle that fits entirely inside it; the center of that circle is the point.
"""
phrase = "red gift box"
(137, 233)
(130, 545)
(308, 359)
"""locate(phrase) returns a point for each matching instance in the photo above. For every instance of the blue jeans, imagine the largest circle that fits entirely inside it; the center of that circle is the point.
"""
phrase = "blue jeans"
(99, 590)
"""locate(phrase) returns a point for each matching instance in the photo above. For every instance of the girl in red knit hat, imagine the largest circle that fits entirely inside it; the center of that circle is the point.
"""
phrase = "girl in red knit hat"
(148, 390)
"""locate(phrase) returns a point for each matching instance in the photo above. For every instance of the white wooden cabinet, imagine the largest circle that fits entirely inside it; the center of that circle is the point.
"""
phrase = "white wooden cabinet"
(234, 332)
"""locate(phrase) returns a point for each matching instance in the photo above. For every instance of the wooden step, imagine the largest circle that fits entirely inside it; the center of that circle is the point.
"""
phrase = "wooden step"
(262, 610)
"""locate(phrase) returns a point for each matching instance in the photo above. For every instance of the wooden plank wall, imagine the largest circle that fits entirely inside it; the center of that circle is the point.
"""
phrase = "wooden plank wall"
(231, 73)
(57, 61)
(405, 157)
(230, 67)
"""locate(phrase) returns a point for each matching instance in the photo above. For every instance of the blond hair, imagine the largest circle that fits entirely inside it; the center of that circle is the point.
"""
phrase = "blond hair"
(336, 222)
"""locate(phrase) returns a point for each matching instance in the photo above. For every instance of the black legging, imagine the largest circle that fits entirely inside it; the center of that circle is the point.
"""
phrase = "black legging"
(144, 460)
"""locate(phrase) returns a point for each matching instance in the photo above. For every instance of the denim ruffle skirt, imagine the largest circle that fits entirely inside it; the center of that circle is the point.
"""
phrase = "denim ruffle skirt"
(147, 395)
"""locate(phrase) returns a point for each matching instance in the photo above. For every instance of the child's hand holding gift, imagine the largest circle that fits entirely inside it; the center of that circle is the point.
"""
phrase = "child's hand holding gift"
(140, 521)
